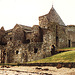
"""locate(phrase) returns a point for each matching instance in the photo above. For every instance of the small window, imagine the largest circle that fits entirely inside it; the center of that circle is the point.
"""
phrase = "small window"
(27, 41)
(69, 42)
(17, 52)
(10, 38)
(35, 50)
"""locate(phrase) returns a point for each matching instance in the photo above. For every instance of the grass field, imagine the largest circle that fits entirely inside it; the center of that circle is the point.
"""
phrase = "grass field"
(66, 49)
(61, 57)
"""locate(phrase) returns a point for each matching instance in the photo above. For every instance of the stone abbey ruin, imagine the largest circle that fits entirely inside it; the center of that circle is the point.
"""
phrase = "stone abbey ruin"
(24, 43)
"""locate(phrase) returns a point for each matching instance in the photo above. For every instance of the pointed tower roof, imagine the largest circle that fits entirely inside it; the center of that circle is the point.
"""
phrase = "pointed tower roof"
(54, 17)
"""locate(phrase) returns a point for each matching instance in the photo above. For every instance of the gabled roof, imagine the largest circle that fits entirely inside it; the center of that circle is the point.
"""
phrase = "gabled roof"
(54, 17)
(23, 27)
(26, 28)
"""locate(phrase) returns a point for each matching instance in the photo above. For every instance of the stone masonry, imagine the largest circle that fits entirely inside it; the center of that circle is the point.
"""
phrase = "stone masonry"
(23, 43)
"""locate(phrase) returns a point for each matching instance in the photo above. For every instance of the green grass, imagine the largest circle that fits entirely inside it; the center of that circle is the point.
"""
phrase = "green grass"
(69, 48)
(66, 49)
(61, 57)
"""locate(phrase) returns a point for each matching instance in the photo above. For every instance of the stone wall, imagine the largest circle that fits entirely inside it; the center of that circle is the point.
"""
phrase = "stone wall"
(23, 43)
(37, 35)
(18, 34)
(70, 29)
(26, 52)
(54, 27)
(49, 35)
(3, 41)
(53, 33)
(43, 21)
(62, 37)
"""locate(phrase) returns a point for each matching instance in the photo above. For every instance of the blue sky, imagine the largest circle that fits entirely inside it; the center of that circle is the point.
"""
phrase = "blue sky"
(26, 12)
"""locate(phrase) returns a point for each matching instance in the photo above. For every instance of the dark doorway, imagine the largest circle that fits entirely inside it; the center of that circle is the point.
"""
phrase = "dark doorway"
(17, 52)
(57, 41)
(10, 38)
(35, 50)
(69, 42)
(52, 50)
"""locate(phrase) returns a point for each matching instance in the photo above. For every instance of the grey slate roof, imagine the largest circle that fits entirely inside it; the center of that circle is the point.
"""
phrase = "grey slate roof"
(54, 17)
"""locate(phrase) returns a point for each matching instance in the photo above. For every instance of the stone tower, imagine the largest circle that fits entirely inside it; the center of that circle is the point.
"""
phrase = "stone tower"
(55, 27)
(52, 16)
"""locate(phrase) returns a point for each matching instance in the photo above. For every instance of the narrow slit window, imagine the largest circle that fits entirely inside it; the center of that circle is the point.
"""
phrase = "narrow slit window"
(35, 50)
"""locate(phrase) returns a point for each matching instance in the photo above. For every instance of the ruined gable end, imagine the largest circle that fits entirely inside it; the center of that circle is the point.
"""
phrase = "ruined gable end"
(52, 16)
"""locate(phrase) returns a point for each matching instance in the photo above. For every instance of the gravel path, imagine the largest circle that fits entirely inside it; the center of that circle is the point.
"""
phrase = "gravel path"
(36, 70)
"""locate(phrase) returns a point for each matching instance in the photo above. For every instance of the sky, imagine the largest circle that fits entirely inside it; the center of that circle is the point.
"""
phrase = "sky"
(27, 12)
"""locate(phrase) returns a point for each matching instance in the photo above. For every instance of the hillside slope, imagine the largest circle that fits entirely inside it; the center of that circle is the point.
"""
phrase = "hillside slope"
(61, 57)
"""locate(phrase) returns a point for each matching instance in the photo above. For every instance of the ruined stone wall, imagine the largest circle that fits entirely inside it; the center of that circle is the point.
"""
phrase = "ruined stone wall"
(18, 34)
(53, 22)
(1, 53)
(56, 32)
(37, 34)
(49, 38)
(26, 52)
(17, 51)
(34, 51)
(3, 41)
(70, 35)
(61, 37)
(29, 36)
(47, 42)
(50, 34)
(12, 51)
(23, 43)
(43, 21)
